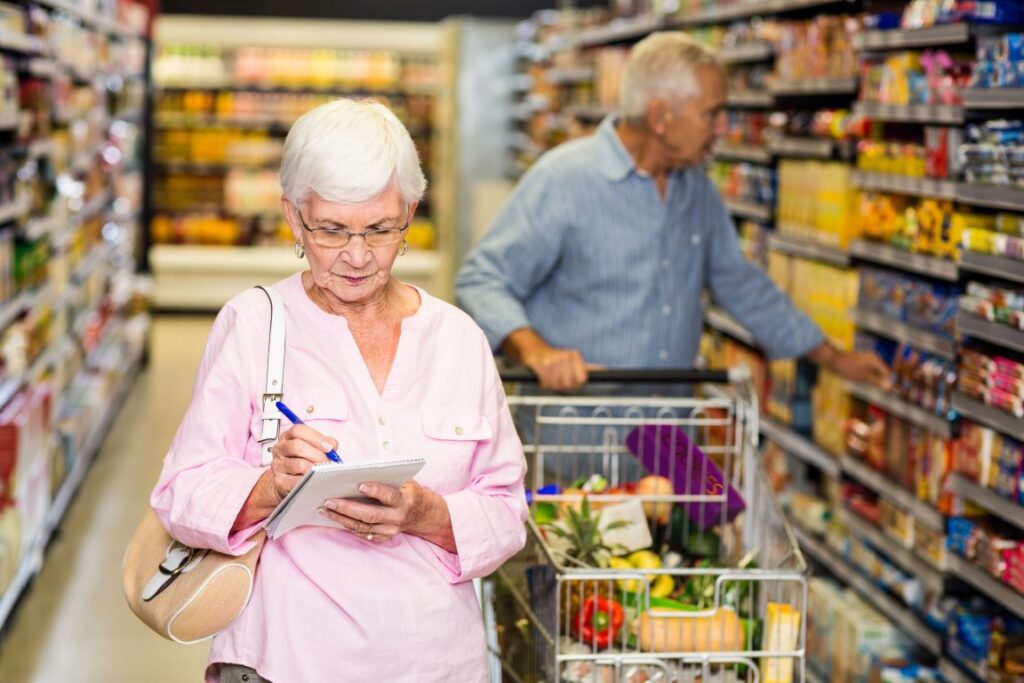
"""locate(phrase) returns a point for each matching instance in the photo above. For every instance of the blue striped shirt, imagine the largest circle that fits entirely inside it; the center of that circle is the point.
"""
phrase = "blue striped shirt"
(587, 253)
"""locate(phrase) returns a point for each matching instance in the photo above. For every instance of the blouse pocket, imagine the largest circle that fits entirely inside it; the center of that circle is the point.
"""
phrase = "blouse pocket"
(322, 408)
(452, 438)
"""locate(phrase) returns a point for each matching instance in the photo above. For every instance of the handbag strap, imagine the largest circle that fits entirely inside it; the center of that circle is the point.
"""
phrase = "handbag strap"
(274, 387)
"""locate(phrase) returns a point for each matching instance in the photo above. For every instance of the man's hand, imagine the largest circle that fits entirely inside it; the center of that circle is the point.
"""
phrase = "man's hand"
(858, 366)
(556, 369)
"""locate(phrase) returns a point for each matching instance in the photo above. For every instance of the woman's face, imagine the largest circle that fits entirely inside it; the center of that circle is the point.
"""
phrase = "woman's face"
(355, 273)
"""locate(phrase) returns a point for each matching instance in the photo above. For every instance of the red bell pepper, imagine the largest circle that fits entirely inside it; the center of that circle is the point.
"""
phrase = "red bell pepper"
(598, 620)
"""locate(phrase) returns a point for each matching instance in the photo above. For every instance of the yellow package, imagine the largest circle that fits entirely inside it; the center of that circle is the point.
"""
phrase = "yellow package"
(781, 631)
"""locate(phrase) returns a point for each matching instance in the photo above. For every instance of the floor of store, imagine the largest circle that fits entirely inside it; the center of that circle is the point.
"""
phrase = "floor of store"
(73, 624)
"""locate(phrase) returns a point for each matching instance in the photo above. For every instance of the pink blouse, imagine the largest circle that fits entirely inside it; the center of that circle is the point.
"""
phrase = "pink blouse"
(327, 605)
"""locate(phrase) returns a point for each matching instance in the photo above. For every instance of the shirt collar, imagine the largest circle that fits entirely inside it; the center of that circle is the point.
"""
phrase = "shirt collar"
(615, 161)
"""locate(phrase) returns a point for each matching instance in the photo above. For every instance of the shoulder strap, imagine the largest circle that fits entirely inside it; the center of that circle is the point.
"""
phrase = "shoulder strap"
(272, 391)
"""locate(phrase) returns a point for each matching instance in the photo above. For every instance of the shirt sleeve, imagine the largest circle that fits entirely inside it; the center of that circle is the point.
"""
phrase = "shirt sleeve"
(205, 478)
(511, 260)
(488, 517)
(750, 296)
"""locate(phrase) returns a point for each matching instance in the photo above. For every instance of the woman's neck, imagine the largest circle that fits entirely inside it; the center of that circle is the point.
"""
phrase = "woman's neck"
(391, 301)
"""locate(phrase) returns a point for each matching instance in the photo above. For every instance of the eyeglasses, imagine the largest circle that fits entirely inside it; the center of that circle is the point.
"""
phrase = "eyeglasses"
(337, 238)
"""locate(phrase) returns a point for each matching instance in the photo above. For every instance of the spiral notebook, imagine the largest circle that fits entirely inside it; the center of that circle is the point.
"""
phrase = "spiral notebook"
(300, 507)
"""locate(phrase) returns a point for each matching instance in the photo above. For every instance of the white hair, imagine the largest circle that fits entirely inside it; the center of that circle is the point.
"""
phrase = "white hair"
(662, 65)
(350, 151)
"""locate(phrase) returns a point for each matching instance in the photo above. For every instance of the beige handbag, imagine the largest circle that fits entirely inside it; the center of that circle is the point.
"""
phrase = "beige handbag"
(191, 594)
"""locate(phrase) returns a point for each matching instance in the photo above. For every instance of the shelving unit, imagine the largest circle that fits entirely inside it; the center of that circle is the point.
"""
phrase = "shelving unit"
(794, 246)
(988, 499)
(933, 36)
(811, 148)
(751, 210)
(880, 484)
(995, 266)
(235, 102)
(991, 196)
(996, 333)
(996, 590)
(907, 411)
(751, 153)
(84, 216)
(799, 446)
(997, 419)
(915, 113)
(905, 557)
(910, 623)
(953, 673)
(884, 255)
(885, 326)
(898, 184)
(814, 87)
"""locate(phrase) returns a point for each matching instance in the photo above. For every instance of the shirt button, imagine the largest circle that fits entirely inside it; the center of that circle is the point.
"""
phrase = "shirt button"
(382, 421)
(309, 409)
(695, 239)
(663, 354)
(386, 444)
(666, 310)
(458, 431)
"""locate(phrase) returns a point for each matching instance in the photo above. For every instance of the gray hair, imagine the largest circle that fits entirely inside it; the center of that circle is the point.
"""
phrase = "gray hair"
(662, 65)
(350, 151)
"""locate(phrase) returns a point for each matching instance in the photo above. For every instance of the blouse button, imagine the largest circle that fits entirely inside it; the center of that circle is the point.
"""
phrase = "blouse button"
(458, 431)
(382, 421)
(386, 444)
(309, 409)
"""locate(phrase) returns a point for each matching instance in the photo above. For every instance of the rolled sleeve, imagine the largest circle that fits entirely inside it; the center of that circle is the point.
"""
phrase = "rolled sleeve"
(488, 516)
(205, 479)
(749, 295)
(510, 261)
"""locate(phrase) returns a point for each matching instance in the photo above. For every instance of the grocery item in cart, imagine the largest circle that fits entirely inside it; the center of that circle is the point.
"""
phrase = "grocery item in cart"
(665, 450)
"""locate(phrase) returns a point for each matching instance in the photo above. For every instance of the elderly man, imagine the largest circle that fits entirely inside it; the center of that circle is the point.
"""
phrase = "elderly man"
(603, 250)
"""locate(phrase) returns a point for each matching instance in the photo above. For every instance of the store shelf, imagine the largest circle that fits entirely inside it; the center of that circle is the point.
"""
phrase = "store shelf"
(900, 615)
(97, 21)
(12, 41)
(337, 90)
(753, 153)
(32, 557)
(994, 266)
(898, 39)
(993, 98)
(995, 333)
(718, 319)
(951, 672)
(592, 112)
(911, 113)
(814, 86)
(739, 9)
(811, 675)
(747, 209)
(900, 408)
(885, 255)
(198, 168)
(811, 148)
(986, 498)
(885, 326)
(758, 51)
(994, 418)
(991, 196)
(618, 30)
(583, 74)
(905, 557)
(1002, 594)
(206, 277)
(880, 484)
(799, 446)
(901, 184)
(750, 98)
(805, 248)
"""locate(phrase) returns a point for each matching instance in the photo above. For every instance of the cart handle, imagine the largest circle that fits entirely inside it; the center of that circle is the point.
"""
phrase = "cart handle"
(649, 376)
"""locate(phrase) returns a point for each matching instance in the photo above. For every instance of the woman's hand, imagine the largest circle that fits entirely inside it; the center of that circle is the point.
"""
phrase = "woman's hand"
(295, 452)
(410, 509)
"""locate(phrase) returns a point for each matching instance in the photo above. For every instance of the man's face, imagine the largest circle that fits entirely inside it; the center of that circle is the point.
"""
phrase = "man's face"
(689, 127)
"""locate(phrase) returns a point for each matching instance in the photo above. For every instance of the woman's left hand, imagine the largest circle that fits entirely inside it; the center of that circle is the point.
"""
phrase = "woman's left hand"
(410, 509)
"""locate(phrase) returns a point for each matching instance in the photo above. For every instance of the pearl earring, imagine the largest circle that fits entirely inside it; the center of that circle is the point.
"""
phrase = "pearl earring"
(300, 250)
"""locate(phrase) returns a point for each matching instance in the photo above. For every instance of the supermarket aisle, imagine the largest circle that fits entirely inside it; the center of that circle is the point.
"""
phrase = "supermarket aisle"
(74, 625)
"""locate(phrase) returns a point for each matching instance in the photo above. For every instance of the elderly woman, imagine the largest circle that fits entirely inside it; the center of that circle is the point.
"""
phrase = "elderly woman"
(380, 370)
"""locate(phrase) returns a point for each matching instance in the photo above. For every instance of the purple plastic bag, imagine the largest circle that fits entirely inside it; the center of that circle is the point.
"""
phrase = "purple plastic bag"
(666, 451)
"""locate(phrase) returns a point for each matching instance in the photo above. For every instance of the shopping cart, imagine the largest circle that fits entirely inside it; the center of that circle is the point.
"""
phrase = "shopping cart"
(719, 594)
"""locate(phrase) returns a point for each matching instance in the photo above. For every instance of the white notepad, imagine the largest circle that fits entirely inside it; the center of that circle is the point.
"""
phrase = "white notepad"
(301, 506)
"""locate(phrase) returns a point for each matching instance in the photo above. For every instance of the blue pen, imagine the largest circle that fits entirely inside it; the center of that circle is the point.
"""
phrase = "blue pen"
(294, 419)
